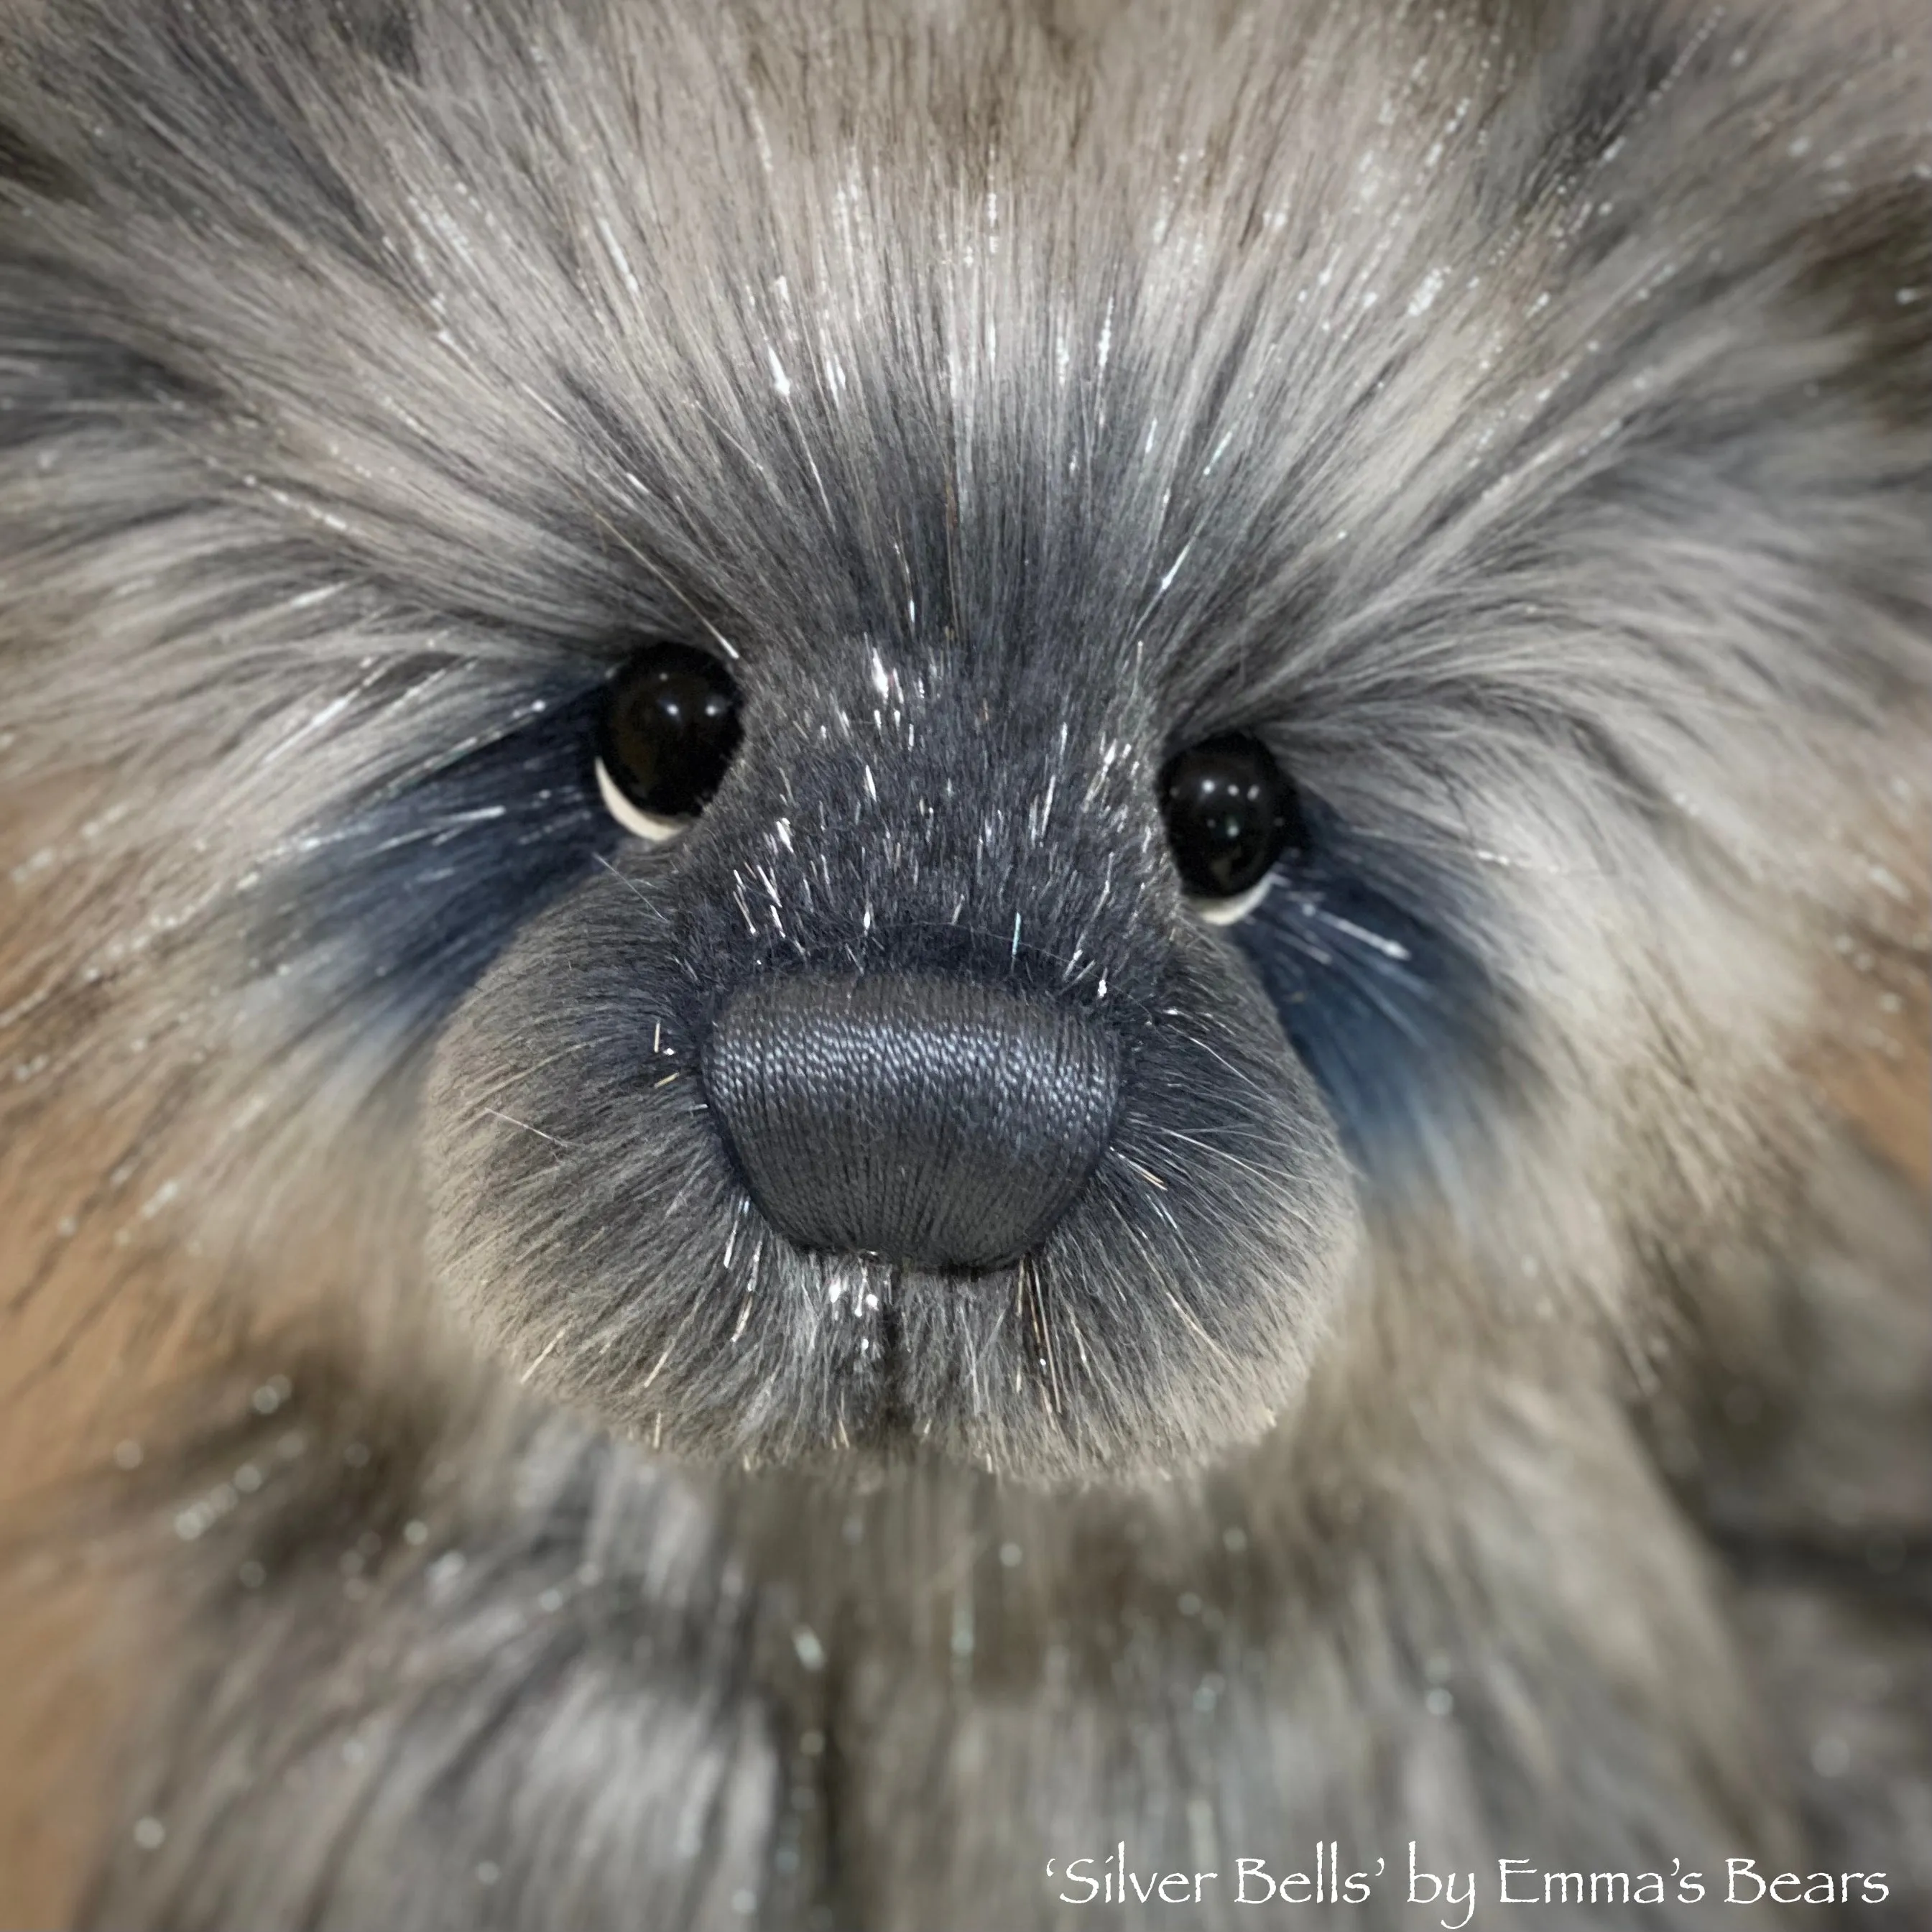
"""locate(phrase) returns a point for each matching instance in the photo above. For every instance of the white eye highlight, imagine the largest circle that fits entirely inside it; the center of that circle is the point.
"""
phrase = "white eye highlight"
(645, 825)
(1225, 912)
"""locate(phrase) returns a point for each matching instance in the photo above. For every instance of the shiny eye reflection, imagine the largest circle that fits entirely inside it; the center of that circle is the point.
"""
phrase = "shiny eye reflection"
(1231, 813)
(669, 728)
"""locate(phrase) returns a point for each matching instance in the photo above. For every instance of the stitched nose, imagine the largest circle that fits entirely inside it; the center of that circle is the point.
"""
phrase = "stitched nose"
(932, 1121)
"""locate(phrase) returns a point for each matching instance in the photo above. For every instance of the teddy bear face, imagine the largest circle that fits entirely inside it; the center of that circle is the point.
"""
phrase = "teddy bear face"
(910, 1091)
(902, 1094)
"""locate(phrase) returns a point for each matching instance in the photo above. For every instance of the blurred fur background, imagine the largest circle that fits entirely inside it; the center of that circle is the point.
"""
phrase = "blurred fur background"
(1483, 1396)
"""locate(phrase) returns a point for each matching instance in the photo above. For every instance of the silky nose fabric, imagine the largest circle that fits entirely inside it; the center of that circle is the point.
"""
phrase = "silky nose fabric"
(936, 1122)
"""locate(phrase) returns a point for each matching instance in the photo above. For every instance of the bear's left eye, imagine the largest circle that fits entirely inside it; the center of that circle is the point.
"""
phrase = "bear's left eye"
(668, 729)
(1231, 813)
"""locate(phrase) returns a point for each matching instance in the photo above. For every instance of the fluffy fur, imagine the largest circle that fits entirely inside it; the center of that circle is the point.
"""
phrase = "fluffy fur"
(1481, 1398)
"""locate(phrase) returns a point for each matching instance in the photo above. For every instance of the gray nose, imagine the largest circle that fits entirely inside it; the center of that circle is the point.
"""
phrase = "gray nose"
(936, 1122)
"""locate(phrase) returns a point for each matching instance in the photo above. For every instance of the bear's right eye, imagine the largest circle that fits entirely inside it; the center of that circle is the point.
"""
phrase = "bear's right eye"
(669, 727)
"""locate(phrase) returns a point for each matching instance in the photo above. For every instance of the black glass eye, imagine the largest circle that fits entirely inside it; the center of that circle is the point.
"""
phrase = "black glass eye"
(669, 728)
(1231, 813)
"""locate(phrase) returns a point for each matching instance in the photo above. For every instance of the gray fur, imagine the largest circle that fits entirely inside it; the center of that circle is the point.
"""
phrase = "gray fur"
(1521, 415)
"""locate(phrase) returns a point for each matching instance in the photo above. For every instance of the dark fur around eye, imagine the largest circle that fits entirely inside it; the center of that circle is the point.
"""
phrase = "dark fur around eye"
(1404, 1031)
(398, 905)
